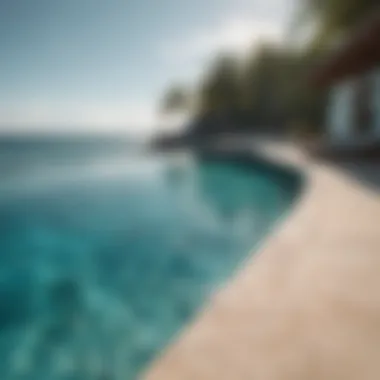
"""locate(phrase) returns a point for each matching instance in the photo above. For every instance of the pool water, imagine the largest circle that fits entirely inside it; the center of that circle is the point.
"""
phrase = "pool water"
(105, 257)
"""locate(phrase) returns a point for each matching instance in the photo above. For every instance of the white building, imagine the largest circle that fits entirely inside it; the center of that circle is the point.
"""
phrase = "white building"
(353, 75)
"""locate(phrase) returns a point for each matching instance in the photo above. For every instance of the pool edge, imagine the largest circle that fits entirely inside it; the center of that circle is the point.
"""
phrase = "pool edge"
(276, 320)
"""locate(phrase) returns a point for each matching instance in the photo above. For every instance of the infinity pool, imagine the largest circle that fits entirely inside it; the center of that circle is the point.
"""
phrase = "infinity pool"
(105, 257)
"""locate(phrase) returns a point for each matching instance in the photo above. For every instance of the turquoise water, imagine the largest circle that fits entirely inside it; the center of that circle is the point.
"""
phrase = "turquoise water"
(106, 254)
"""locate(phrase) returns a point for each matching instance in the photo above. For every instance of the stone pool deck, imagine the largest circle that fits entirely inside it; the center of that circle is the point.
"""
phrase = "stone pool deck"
(307, 305)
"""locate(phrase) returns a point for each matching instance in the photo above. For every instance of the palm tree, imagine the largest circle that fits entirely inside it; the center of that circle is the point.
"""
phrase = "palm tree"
(175, 100)
(174, 108)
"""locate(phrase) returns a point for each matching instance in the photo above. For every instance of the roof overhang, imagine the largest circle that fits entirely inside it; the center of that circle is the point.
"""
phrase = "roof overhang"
(359, 53)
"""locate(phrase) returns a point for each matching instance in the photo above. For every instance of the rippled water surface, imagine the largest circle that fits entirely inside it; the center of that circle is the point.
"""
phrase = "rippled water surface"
(106, 253)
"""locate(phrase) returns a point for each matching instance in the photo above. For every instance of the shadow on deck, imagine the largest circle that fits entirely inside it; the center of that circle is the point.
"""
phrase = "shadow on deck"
(362, 162)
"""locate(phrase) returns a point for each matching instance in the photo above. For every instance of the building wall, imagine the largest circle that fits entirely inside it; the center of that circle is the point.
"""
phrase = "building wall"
(343, 119)
(341, 113)
(376, 101)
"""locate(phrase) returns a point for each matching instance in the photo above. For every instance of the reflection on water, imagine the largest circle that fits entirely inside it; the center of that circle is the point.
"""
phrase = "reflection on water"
(103, 260)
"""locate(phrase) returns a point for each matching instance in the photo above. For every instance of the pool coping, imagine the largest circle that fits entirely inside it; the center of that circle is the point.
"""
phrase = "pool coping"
(305, 305)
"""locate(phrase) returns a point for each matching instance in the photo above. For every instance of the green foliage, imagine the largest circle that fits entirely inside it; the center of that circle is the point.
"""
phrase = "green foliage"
(336, 16)
(219, 91)
(271, 89)
(268, 90)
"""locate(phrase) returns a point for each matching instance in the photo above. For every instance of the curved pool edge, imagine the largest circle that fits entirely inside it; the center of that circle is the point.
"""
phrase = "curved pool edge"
(293, 175)
(305, 305)
(289, 173)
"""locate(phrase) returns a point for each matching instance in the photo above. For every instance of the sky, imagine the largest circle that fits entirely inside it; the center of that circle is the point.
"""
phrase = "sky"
(103, 65)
